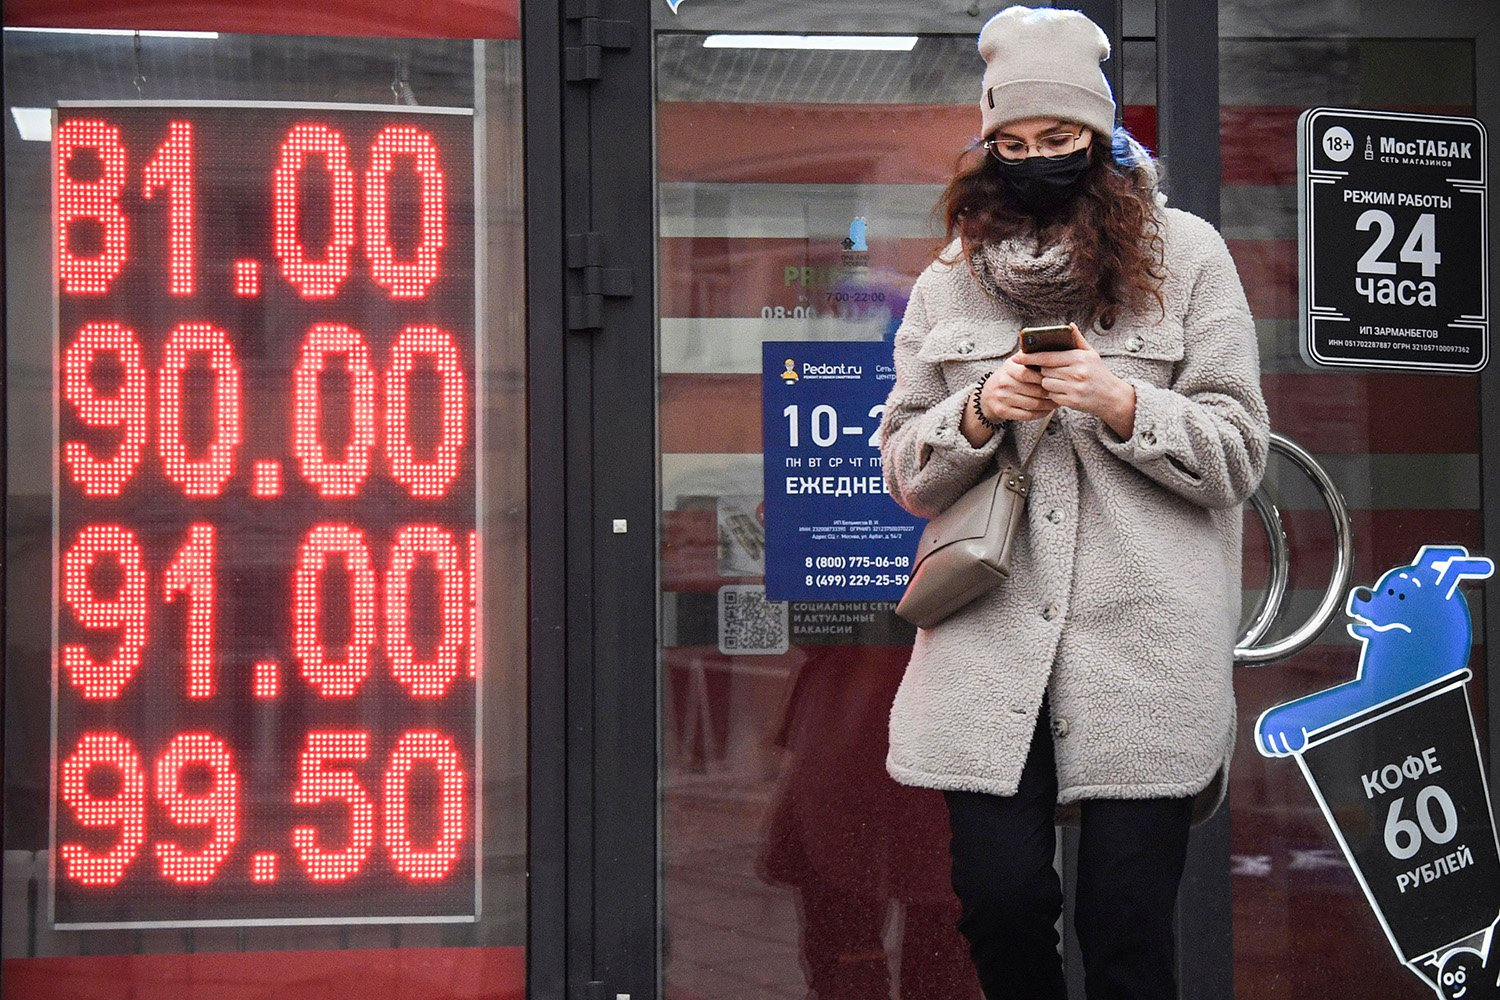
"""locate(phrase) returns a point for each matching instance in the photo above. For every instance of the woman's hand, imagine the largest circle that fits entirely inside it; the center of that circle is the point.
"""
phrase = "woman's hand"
(1080, 380)
(1012, 392)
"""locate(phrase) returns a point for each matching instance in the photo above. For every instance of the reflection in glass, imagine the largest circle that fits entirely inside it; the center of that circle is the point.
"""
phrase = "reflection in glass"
(1302, 925)
(795, 193)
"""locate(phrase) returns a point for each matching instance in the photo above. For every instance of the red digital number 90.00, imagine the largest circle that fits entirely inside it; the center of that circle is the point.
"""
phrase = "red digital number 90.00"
(126, 408)
(343, 476)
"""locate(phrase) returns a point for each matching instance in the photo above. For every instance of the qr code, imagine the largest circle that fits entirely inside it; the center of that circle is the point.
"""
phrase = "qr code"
(750, 624)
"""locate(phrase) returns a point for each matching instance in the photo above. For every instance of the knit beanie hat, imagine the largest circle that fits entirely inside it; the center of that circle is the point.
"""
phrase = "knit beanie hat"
(1043, 63)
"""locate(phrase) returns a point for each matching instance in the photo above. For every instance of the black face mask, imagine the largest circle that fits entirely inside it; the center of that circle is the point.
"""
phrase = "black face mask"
(1045, 185)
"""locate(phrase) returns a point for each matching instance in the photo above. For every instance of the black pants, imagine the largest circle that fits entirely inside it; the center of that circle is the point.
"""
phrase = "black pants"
(1130, 860)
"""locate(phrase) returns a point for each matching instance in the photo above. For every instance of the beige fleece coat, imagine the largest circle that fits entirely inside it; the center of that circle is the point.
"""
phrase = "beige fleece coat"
(1124, 595)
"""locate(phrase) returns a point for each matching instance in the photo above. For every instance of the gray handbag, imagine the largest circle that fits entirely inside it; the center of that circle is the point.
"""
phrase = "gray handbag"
(964, 552)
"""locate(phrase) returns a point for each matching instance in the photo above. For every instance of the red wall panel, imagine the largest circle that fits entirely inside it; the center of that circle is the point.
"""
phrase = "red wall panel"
(412, 19)
(388, 974)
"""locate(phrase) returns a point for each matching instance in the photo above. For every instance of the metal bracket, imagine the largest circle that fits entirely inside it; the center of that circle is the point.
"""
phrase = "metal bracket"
(586, 61)
(586, 254)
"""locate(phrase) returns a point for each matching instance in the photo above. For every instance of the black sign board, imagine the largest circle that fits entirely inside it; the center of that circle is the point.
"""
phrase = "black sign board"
(1402, 787)
(1392, 240)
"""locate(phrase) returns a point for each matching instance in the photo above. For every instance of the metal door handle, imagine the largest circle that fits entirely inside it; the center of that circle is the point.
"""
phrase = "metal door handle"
(1269, 605)
(1266, 611)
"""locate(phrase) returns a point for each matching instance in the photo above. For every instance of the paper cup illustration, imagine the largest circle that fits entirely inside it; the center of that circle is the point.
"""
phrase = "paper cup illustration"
(1392, 758)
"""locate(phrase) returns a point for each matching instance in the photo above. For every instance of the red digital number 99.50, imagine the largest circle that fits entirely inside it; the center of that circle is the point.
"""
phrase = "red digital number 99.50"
(104, 783)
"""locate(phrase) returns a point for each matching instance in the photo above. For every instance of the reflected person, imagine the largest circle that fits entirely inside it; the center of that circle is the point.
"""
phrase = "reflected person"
(856, 848)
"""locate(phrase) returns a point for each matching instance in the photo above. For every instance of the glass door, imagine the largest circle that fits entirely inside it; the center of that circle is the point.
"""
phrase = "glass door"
(794, 191)
(794, 194)
(1305, 920)
(796, 180)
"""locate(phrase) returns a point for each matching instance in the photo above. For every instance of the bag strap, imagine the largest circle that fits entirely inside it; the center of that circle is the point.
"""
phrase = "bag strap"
(1041, 431)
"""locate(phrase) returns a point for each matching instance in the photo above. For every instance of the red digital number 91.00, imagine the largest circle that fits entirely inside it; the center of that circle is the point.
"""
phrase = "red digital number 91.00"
(192, 574)
(342, 678)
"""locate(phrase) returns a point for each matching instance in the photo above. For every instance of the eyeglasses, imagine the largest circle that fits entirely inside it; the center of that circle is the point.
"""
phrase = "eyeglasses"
(1050, 146)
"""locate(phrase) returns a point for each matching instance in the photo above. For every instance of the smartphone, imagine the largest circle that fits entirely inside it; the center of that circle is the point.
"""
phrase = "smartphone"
(1046, 338)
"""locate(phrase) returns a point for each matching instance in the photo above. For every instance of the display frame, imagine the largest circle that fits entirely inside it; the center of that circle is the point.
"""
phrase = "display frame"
(479, 264)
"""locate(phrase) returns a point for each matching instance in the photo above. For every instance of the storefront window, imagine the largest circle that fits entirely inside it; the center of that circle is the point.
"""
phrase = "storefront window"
(265, 370)
(794, 193)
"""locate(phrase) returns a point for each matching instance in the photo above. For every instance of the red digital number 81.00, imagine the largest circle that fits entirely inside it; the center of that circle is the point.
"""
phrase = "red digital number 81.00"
(172, 168)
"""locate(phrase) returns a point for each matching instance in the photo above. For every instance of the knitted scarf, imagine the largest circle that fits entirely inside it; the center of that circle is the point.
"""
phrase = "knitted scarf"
(1037, 284)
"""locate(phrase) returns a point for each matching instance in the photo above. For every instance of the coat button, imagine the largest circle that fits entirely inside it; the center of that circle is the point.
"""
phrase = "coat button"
(1148, 439)
(1059, 728)
(1052, 427)
(1055, 515)
(966, 347)
(1134, 344)
(1049, 612)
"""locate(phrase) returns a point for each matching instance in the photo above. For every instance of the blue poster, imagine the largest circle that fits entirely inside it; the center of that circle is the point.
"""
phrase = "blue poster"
(833, 533)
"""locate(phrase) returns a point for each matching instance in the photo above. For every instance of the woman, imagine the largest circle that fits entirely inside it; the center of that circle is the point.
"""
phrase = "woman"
(1095, 681)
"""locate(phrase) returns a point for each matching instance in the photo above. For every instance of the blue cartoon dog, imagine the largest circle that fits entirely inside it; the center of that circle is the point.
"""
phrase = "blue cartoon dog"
(1414, 626)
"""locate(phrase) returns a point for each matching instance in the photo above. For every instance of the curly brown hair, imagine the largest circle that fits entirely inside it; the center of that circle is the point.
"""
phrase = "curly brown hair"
(1113, 225)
